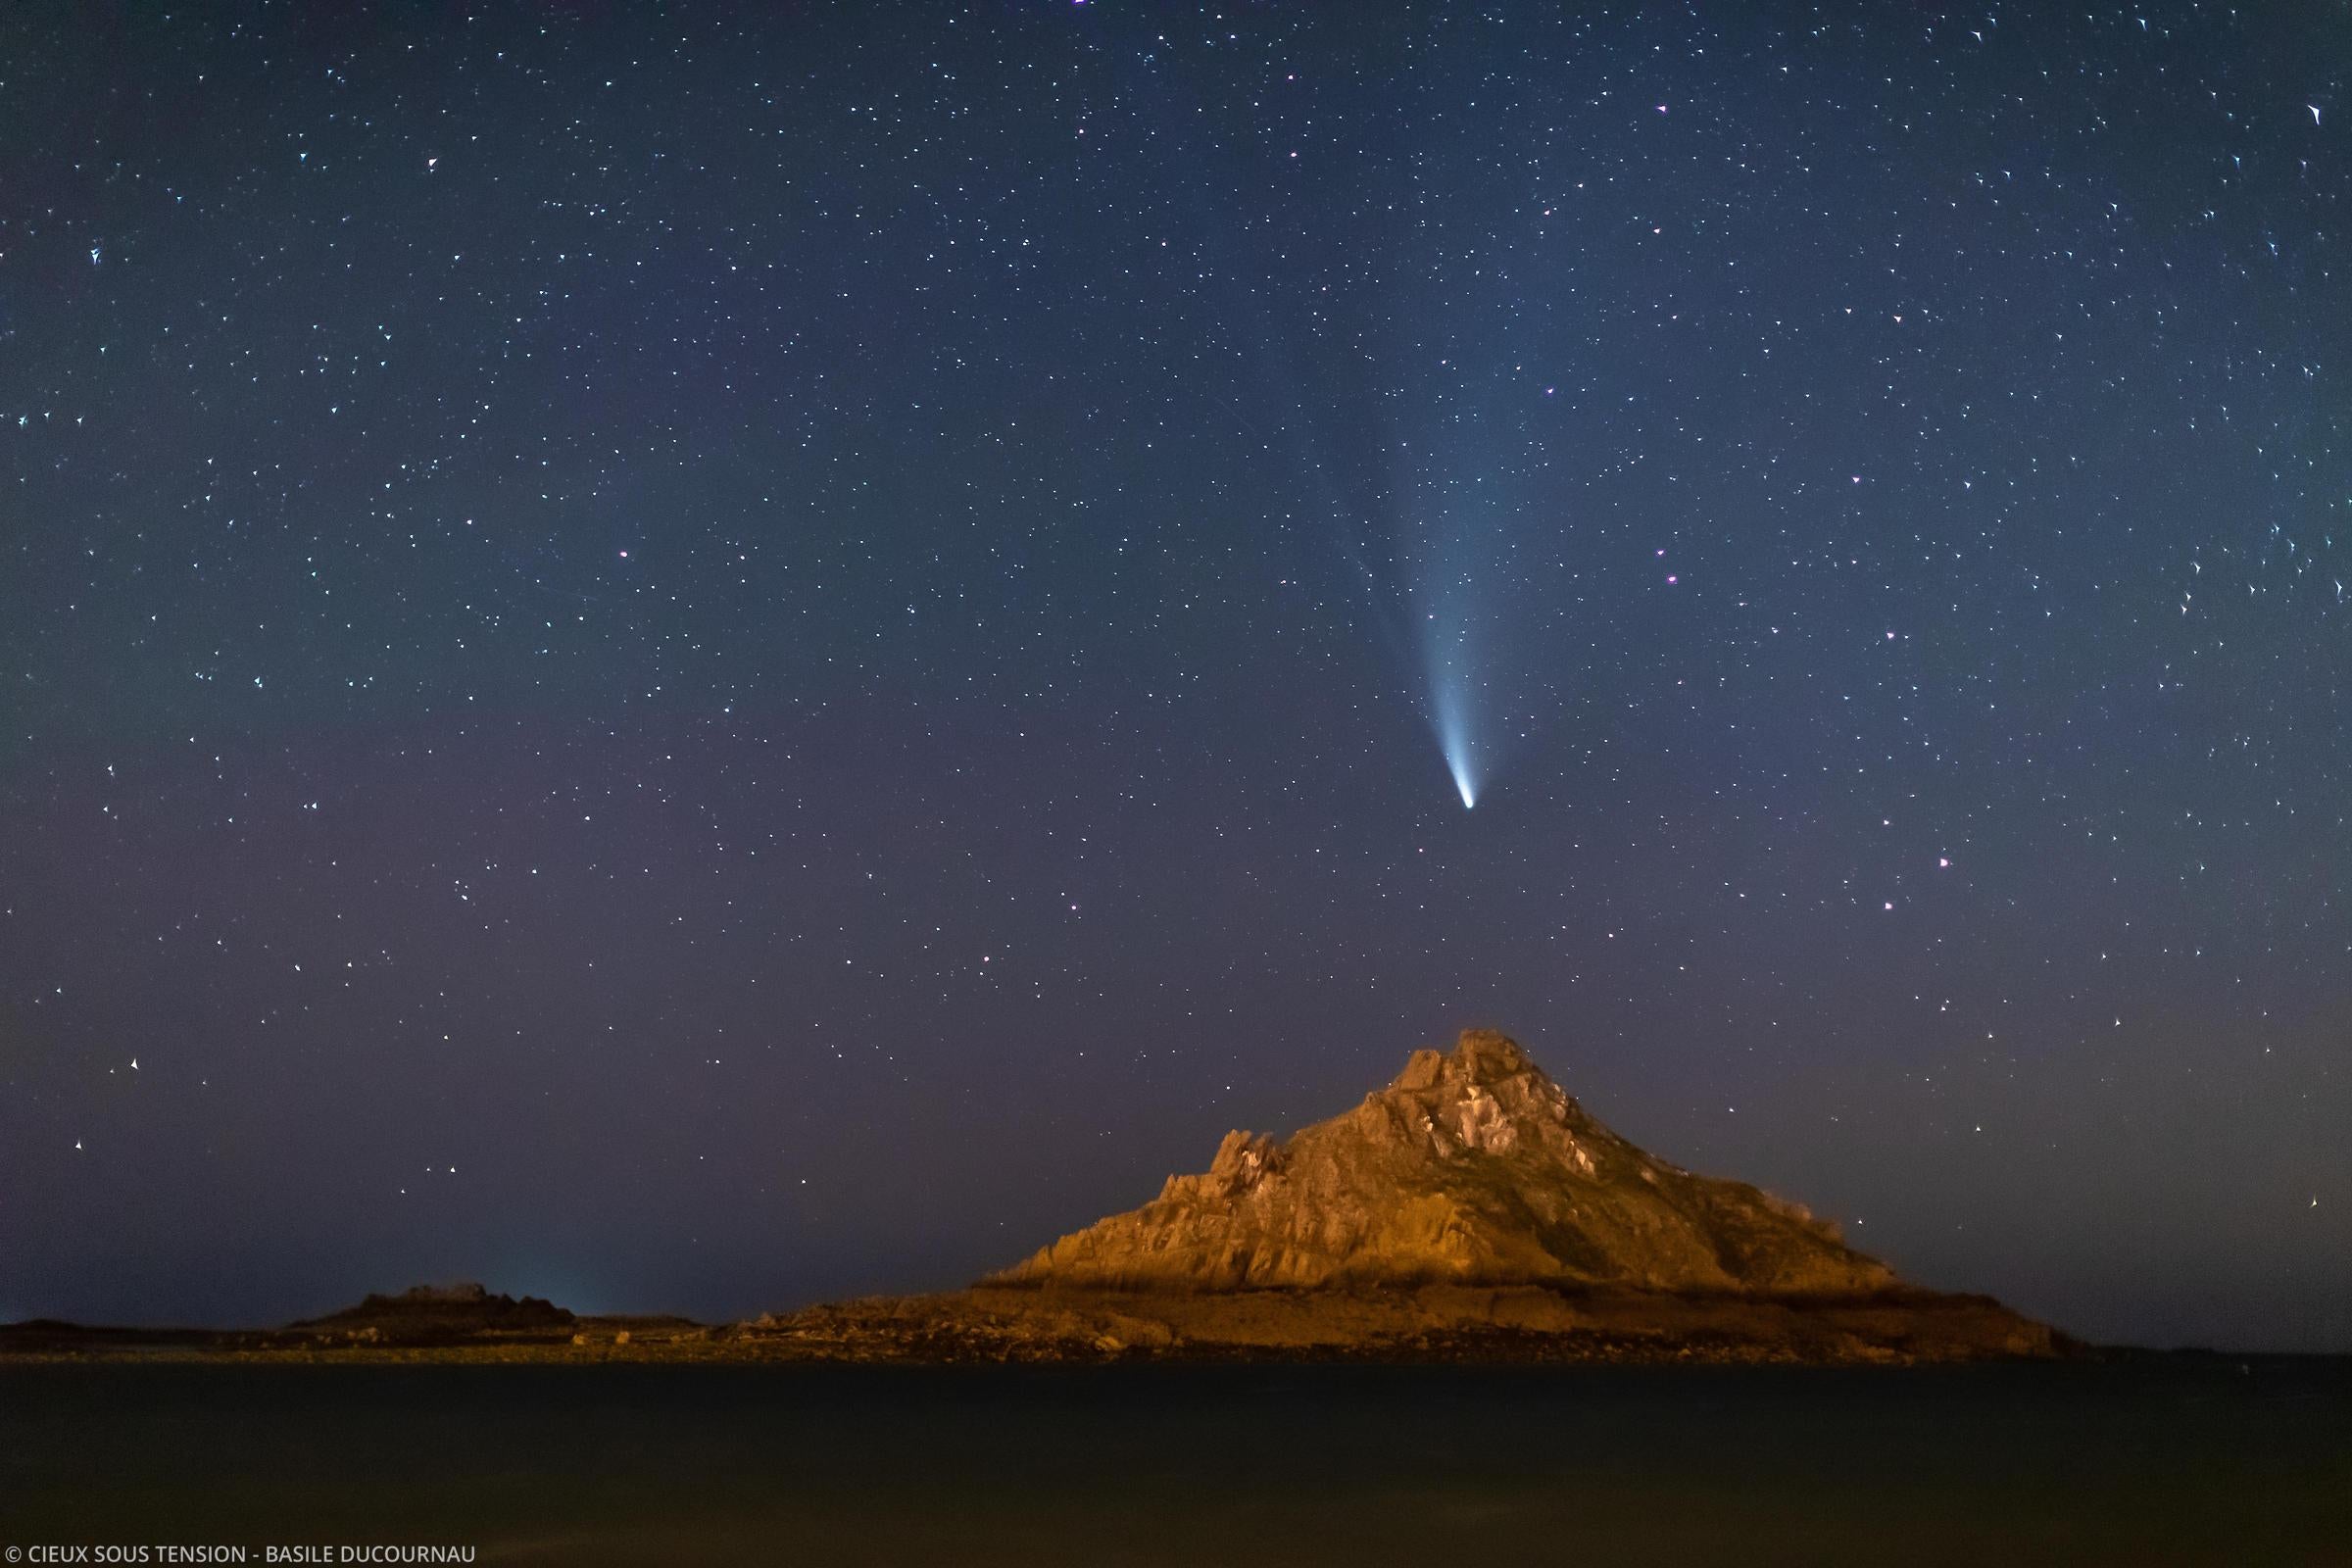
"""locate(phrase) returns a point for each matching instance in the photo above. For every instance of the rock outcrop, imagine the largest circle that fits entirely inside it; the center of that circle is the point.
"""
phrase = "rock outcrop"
(1473, 1167)
(440, 1312)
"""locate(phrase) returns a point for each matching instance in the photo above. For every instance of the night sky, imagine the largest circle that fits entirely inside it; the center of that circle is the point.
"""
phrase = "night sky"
(697, 659)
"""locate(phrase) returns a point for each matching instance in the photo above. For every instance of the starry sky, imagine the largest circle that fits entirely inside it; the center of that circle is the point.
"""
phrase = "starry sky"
(706, 657)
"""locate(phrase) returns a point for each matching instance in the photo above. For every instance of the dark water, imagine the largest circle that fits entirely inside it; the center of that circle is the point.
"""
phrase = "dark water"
(2137, 1465)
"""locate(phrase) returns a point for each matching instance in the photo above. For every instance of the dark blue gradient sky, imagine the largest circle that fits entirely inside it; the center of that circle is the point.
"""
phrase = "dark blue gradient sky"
(694, 660)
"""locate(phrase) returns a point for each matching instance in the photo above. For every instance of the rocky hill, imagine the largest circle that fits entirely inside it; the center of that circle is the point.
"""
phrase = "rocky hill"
(1469, 1212)
(1471, 1167)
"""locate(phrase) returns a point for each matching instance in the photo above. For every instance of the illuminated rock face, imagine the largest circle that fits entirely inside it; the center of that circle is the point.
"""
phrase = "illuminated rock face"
(1471, 1167)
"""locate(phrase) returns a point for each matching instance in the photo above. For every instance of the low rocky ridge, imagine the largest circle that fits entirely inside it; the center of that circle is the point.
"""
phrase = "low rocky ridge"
(1517, 1323)
(426, 1322)
(432, 1313)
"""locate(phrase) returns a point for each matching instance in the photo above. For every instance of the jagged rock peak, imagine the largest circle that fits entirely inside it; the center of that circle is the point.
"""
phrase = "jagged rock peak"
(1477, 1056)
(1473, 1167)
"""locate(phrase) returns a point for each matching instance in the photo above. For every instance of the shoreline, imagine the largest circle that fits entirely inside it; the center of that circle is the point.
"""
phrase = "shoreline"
(1433, 1324)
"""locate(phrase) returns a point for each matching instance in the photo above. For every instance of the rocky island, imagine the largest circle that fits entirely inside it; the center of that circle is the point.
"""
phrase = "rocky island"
(1469, 1211)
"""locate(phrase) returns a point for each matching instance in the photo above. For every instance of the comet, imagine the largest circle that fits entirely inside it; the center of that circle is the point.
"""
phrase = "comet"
(1446, 663)
(1461, 781)
(1454, 742)
(1455, 561)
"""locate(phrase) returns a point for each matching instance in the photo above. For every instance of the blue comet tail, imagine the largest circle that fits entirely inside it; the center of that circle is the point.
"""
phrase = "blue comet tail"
(1453, 735)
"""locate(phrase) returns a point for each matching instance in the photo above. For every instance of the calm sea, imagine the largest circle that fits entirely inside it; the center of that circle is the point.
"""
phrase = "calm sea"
(2205, 1463)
